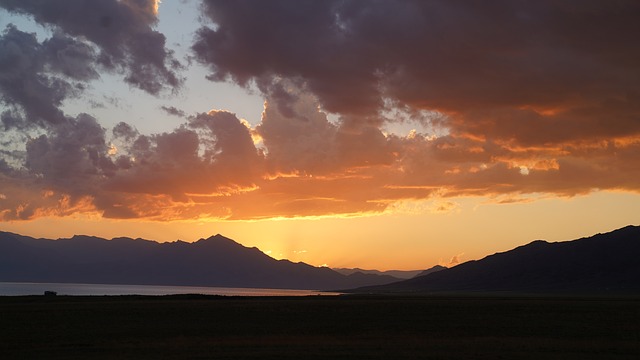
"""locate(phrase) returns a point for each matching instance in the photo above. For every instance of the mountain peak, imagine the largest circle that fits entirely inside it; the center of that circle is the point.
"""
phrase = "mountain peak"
(224, 243)
(217, 237)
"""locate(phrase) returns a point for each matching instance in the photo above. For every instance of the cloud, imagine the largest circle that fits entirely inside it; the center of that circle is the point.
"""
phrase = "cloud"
(445, 207)
(171, 110)
(436, 55)
(210, 157)
(300, 139)
(518, 85)
(26, 199)
(455, 260)
(32, 85)
(304, 165)
(122, 31)
(61, 171)
(502, 69)
(514, 100)
(156, 176)
(69, 156)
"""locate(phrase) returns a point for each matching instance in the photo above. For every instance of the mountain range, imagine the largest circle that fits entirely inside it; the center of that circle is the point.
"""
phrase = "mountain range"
(601, 264)
(400, 274)
(216, 261)
(604, 264)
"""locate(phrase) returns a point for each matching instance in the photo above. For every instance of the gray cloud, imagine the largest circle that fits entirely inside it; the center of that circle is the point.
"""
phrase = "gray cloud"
(59, 171)
(503, 63)
(299, 137)
(69, 57)
(121, 30)
(24, 83)
(171, 110)
(72, 157)
(73, 168)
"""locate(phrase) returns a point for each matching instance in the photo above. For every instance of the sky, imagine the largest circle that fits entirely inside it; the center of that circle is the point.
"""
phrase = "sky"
(352, 133)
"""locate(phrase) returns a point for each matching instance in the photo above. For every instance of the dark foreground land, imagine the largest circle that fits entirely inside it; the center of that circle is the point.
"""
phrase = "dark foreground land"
(344, 327)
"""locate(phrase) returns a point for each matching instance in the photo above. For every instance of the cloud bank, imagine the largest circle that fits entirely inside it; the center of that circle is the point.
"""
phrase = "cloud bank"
(519, 98)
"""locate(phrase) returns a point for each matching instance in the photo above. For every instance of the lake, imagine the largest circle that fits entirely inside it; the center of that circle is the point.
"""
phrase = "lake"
(16, 289)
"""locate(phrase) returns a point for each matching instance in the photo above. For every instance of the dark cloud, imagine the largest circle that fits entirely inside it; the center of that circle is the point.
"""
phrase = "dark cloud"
(61, 171)
(73, 168)
(121, 30)
(125, 131)
(509, 64)
(290, 39)
(171, 110)
(299, 138)
(25, 84)
(69, 57)
(72, 157)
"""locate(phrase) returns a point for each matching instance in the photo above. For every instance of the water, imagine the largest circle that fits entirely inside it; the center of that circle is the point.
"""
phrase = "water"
(15, 289)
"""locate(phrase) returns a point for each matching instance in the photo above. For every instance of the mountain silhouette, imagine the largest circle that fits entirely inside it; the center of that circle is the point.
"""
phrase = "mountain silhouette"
(400, 274)
(431, 270)
(604, 264)
(216, 261)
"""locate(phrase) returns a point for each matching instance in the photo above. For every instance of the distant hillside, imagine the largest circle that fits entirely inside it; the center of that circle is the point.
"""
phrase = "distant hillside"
(216, 261)
(398, 274)
(604, 263)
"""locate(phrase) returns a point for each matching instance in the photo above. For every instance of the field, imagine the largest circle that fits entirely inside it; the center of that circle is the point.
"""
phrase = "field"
(342, 327)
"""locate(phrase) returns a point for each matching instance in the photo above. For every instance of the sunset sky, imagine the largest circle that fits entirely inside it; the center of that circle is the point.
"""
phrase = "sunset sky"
(372, 134)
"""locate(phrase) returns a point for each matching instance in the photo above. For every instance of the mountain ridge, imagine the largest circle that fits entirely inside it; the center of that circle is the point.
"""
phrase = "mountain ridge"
(401, 274)
(214, 261)
(602, 263)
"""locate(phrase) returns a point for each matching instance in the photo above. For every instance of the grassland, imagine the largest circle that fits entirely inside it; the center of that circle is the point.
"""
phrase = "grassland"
(344, 327)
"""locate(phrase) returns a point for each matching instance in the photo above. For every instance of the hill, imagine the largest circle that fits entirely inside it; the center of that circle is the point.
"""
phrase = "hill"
(216, 261)
(400, 274)
(603, 264)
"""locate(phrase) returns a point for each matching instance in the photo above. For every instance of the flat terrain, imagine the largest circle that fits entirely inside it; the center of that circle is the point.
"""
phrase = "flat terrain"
(343, 327)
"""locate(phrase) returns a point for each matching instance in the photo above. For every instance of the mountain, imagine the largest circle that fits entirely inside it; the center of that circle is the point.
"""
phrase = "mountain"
(216, 261)
(601, 264)
(431, 270)
(398, 274)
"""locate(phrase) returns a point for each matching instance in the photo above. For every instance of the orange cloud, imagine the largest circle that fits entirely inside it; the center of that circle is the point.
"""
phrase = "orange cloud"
(211, 168)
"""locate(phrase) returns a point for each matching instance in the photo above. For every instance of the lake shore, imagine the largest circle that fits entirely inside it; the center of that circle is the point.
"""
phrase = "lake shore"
(34, 288)
(314, 327)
